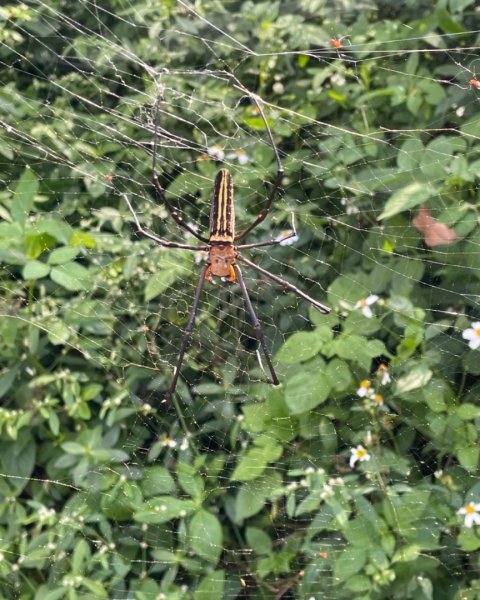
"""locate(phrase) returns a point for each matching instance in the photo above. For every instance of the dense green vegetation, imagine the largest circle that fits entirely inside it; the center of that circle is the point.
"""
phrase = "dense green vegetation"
(346, 480)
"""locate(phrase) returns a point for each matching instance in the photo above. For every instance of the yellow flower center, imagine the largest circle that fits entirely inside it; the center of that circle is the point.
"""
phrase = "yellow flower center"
(365, 383)
(361, 452)
(470, 508)
(378, 399)
(477, 331)
(363, 303)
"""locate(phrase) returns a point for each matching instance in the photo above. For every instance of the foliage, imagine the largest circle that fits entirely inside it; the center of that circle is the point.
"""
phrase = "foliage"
(239, 487)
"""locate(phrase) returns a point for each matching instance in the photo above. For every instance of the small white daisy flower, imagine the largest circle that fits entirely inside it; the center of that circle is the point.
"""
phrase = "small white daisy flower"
(365, 303)
(365, 389)
(287, 237)
(200, 256)
(358, 454)
(472, 335)
(168, 442)
(239, 155)
(384, 374)
(377, 400)
(216, 152)
(470, 511)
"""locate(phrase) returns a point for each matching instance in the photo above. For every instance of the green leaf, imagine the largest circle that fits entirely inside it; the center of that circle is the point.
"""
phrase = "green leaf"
(60, 230)
(23, 196)
(162, 509)
(306, 390)
(468, 457)
(407, 197)
(416, 378)
(211, 587)
(157, 481)
(303, 345)
(34, 269)
(349, 562)
(191, 483)
(258, 540)
(206, 538)
(255, 460)
(63, 255)
(72, 276)
(159, 282)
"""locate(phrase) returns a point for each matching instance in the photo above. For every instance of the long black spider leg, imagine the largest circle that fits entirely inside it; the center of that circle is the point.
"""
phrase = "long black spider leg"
(160, 191)
(276, 183)
(256, 324)
(321, 307)
(186, 336)
(159, 241)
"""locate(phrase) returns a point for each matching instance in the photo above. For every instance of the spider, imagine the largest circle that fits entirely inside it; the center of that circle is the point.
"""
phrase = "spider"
(222, 246)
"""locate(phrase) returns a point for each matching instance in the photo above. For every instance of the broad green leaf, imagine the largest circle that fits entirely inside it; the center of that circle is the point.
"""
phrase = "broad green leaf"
(349, 562)
(407, 197)
(162, 509)
(211, 587)
(190, 481)
(258, 540)
(255, 460)
(160, 281)
(23, 196)
(416, 378)
(157, 481)
(339, 375)
(63, 255)
(59, 332)
(304, 391)
(303, 345)
(206, 538)
(34, 269)
(72, 276)
(468, 457)
(18, 460)
(60, 230)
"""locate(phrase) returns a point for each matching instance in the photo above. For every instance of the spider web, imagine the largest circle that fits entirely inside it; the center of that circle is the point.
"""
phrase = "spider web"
(238, 488)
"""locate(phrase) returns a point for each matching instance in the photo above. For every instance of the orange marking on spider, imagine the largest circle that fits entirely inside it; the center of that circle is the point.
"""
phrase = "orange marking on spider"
(475, 83)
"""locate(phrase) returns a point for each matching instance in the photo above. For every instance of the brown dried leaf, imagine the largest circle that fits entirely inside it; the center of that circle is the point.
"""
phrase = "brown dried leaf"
(434, 232)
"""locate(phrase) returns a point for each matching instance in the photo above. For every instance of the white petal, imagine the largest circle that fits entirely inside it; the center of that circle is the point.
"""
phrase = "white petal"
(353, 460)
(371, 299)
(462, 511)
(367, 312)
(475, 343)
(469, 334)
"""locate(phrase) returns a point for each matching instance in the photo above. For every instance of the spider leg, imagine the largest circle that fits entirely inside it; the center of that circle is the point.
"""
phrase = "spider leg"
(256, 324)
(289, 286)
(156, 239)
(267, 243)
(161, 192)
(276, 182)
(186, 336)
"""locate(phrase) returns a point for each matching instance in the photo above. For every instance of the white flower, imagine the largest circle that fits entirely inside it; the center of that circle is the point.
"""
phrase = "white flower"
(365, 303)
(239, 155)
(168, 442)
(384, 374)
(473, 335)
(365, 390)
(358, 454)
(470, 511)
(200, 256)
(216, 152)
(377, 400)
(287, 237)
